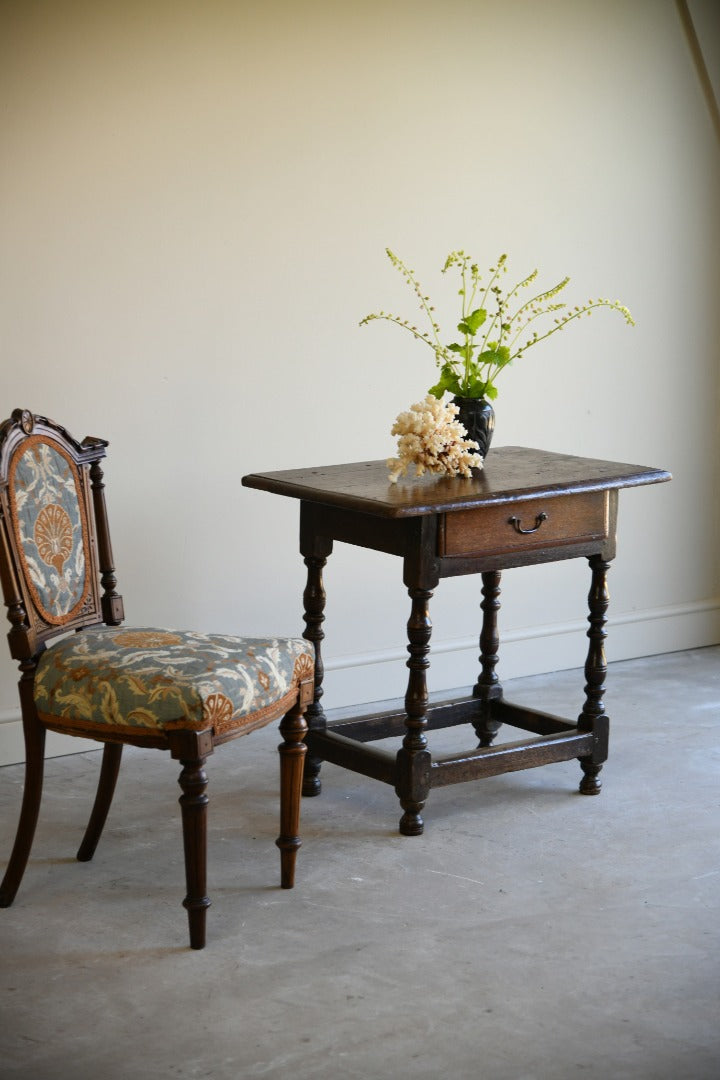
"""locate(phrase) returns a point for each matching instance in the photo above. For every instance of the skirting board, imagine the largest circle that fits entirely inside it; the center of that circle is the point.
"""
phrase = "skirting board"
(378, 676)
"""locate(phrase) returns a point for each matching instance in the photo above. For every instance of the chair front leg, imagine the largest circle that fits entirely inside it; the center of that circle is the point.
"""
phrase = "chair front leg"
(109, 770)
(192, 749)
(34, 768)
(292, 758)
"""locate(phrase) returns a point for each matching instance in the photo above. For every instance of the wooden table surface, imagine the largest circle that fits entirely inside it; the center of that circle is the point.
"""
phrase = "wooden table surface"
(511, 473)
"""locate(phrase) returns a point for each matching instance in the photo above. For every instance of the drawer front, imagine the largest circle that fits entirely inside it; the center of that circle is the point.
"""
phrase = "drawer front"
(525, 526)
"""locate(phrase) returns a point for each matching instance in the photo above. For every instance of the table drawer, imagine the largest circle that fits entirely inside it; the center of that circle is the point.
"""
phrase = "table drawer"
(525, 526)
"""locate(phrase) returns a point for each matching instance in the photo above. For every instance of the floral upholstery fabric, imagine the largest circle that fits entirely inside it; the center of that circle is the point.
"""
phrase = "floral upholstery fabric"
(159, 680)
(50, 528)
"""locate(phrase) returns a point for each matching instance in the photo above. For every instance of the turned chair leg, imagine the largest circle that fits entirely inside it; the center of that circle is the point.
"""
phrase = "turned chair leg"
(191, 749)
(292, 755)
(193, 803)
(34, 768)
(110, 768)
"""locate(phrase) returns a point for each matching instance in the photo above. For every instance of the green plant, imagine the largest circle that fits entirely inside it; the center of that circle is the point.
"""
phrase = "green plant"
(493, 324)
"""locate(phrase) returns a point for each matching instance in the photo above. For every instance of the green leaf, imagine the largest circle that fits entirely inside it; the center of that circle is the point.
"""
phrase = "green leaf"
(473, 385)
(495, 356)
(473, 322)
(448, 382)
(466, 351)
(476, 319)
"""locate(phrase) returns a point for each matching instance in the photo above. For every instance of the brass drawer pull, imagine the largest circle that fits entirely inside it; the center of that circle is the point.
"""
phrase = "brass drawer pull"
(515, 522)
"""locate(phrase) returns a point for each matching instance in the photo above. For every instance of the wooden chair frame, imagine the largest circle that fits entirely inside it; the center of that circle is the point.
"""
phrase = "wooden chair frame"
(29, 636)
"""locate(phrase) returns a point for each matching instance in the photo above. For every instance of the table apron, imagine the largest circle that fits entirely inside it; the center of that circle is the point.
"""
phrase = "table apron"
(390, 535)
(456, 566)
(424, 541)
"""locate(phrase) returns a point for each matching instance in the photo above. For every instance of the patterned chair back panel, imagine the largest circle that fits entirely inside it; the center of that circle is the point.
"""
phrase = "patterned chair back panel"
(49, 520)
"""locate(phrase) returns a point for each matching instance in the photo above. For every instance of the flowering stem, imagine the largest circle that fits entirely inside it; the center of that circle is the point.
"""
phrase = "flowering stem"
(541, 297)
(585, 310)
(409, 276)
(471, 364)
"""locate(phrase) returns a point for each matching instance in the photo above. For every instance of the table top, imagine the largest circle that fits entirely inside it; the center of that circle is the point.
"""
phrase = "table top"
(511, 474)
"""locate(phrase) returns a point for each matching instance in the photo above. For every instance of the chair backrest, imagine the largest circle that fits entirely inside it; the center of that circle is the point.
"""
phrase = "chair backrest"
(55, 549)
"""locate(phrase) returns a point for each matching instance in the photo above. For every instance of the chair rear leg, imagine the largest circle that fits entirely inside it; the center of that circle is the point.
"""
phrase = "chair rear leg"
(292, 757)
(109, 770)
(34, 769)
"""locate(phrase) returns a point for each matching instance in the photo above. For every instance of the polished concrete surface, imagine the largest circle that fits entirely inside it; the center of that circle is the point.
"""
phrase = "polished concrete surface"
(531, 934)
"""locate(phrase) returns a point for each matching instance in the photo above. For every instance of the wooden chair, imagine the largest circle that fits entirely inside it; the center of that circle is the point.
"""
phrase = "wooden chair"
(179, 691)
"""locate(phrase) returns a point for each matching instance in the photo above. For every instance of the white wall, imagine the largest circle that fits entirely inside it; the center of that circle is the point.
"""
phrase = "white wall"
(194, 203)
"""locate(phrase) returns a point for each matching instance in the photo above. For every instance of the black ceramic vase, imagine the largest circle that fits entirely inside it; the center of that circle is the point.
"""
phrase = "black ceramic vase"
(478, 418)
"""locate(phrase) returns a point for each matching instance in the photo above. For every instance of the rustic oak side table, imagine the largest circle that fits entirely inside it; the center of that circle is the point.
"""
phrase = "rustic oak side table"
(526, 506)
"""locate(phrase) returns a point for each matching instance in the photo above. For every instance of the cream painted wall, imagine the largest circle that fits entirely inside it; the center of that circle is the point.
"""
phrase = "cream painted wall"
(194, 203)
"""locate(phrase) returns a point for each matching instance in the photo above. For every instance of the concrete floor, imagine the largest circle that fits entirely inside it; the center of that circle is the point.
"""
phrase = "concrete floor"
(530, 934)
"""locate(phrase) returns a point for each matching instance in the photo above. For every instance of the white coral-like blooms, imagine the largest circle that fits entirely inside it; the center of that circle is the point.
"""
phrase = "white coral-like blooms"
(431, 439)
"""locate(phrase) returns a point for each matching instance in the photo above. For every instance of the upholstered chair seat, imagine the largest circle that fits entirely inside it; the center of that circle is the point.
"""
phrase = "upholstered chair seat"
(143, 681)
(84, 673)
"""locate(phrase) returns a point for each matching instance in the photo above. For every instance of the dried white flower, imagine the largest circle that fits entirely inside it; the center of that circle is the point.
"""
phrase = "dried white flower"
(431, 439)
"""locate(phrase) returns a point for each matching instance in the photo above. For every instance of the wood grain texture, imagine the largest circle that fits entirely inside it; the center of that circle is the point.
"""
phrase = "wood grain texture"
(526, 507)
(511, 473)
(552, 520)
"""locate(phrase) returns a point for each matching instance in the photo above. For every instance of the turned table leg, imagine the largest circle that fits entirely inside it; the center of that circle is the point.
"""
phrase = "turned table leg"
(314, 603)
(413, 759)
(488, 689)
(593, 718)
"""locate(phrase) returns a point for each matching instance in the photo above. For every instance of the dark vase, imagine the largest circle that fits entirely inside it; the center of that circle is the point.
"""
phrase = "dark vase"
(478, 418)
